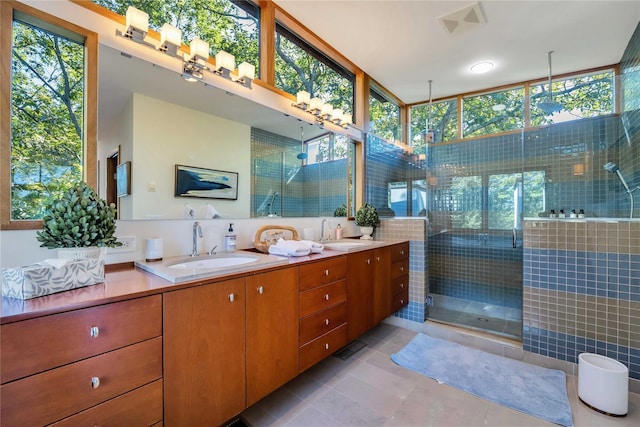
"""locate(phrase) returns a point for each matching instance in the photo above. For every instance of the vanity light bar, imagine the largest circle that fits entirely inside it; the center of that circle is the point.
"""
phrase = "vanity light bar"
(197, 60)
(322, 112)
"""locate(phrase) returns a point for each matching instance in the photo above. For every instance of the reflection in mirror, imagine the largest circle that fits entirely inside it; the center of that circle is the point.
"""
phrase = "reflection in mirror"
(150, 116)
(298, 180)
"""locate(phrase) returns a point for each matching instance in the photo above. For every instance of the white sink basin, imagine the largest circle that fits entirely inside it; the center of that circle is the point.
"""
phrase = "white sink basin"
(182, 269)
(219, 261)
(346, 245)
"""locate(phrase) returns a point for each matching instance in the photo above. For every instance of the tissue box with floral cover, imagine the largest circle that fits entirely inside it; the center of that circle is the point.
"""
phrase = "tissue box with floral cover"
(51, 276)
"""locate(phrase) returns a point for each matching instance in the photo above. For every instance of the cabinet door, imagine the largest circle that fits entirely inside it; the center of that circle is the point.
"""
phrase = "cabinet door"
(360, 269)
(382, 292)
(204, 351)
(272, 331)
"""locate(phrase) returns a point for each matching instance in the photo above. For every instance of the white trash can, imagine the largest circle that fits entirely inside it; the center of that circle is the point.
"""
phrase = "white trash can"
(603, 384)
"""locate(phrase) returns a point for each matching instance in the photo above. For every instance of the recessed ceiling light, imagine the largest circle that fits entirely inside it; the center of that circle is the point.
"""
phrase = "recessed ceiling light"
(481, 67)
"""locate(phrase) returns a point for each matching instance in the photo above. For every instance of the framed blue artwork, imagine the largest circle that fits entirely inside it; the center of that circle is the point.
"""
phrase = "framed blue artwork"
(206, 183)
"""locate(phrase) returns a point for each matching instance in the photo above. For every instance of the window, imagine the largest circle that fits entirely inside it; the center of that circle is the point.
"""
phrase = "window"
(232, 26)
(384, 117)
(493, 112)
(584, 96)
(52, 112)
(443, 123)
(326, 148)
(299, 66)
(465, 202)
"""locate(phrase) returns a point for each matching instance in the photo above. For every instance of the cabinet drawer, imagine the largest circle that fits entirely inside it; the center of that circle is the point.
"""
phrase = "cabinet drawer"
(400, 300)
(320, 273)
(36, 345)
(400, 251)
(53, 395)
(399, 268)
(322, 347)
(321, 298)
(399, 284)
(140, 407)
(318, 324)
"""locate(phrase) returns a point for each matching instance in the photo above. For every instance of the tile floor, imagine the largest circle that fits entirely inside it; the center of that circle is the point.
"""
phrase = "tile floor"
(503, 321)
(370, 390)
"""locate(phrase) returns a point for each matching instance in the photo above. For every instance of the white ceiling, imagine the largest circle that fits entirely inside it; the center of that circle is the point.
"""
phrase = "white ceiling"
(402, 45)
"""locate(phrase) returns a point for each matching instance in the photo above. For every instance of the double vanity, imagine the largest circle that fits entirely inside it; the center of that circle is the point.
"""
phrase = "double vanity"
(190, 341)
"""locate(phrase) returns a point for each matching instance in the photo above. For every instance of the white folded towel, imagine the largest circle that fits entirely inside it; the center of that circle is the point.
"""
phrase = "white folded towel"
(289, 248)
(314, 247)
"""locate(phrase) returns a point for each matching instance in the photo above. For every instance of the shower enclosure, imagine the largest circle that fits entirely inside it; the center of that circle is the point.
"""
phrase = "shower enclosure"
(478, 195)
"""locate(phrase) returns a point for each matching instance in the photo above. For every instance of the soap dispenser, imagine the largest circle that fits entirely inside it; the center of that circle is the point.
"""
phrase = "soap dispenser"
(230, 240)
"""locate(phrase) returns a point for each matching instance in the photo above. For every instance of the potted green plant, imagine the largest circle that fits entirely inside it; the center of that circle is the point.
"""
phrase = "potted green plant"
(367, 219)
(340, 210)
(80, 220)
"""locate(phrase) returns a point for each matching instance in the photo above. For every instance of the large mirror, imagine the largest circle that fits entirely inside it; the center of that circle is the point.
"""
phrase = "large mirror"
(151, 117)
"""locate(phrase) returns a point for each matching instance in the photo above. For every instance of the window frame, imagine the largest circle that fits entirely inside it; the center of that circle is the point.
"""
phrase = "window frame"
(7, 10)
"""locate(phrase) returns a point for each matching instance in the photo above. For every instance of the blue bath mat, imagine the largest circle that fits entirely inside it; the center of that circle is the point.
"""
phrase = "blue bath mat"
(531, 389)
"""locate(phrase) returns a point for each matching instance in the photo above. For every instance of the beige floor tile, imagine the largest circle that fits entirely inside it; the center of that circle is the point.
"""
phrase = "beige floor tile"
(370, 390)
(348, 412)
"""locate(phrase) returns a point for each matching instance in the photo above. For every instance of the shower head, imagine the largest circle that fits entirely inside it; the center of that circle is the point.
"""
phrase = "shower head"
(611, 167)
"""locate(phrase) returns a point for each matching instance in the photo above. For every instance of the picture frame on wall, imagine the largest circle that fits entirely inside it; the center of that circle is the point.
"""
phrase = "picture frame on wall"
(123, 179)
(205, 183)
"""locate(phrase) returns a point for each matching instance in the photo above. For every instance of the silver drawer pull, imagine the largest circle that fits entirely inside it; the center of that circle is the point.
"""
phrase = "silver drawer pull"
(369, 261)
(326, 297)
(326, 346)
(232, 297)
(94, 332)
(95, 382)
(402, 285)
(401, 268)
(401, 252)
(326, 272)
(378, 259)
(326, 322)
(260, 290)
(401, 301)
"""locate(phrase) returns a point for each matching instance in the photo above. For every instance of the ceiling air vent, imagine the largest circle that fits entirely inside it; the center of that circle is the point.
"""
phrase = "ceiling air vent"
(464, 19)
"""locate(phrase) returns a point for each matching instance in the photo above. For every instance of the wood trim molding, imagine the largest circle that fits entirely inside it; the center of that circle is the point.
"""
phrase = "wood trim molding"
(7, 8)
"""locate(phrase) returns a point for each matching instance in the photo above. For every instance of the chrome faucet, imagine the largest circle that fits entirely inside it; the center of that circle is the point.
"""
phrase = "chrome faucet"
(322, 235)
(197, 232)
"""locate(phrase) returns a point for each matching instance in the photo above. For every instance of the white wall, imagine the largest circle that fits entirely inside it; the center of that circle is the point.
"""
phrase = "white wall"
(20, 247)
(164, 135)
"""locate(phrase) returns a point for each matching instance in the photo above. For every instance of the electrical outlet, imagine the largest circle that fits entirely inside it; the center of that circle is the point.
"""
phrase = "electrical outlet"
(128, 245)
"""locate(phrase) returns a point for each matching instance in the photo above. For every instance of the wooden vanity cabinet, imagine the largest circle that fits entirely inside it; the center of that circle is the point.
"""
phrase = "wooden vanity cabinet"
(360, 285)
(204, 353)
(377, 286)
(271, 331)
(323, 309)
(73, 367)
(399, 276)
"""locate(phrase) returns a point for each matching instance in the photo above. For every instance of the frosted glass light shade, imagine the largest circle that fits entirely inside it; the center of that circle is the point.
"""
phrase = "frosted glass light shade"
(303, 97)
(170, 35)
(135, 18)
(326, 111)
(346, 119)
(199, 49)
(225, 60)
(246, 70)
(336, 116)
(315, 104)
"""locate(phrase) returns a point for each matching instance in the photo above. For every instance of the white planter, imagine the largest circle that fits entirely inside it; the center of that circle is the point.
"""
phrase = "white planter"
(80, 253)
(366, 233)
